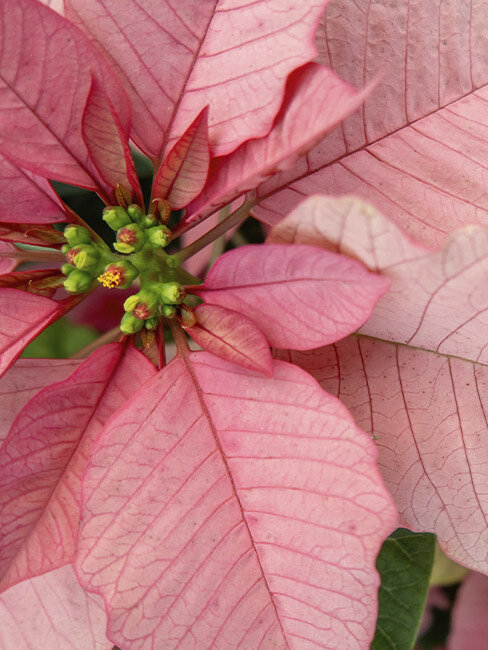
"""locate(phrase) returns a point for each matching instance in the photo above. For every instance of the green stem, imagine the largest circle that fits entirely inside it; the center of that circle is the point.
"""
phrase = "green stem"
(234, 219)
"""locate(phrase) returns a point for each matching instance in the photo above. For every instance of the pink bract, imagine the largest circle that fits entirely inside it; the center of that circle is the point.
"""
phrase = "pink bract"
(416, 374)
(210, 488)
(417, 150)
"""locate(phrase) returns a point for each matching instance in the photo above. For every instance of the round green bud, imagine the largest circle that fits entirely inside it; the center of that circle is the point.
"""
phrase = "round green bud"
(65, 248)
(150, 220)
(78, 281)
(151, 323)
(171, 293)
(142, 304)
(135, 212)
(87, 258)
(116, 217)
(66, 269)
(168, 311)
(76, 235)
(130, 324)
(130, 239)
(159, 236)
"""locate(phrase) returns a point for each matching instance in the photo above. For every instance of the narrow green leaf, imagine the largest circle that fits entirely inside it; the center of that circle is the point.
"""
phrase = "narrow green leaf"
(405, 563)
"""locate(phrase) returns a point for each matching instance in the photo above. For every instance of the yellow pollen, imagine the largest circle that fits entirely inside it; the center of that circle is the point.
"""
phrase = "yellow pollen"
(110, 279)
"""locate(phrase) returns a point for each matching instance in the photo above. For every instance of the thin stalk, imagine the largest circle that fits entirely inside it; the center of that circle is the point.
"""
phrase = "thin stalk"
(219, 244)
(234, 219)
(179, 337)
(108, 337)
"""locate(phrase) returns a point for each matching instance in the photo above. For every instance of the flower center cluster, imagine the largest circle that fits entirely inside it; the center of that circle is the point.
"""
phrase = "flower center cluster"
(139, 244)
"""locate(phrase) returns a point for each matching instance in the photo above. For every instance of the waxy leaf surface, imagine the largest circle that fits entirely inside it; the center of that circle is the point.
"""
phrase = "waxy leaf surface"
(315, 101)
(298, 296)
(44, 455)
(22, 316)
(405, 564)
(53, 612)
(240, 511)
(469, 624)
(43, 92)
(417, 375)
(231, 336)
(418, 149)
(233, 55)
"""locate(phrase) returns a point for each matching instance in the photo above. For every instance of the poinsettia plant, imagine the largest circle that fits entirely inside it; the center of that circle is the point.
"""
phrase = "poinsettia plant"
(228, 498)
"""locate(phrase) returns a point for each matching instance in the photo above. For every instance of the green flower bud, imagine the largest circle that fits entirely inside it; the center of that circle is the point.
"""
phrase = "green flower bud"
(151, 323)
(116, 217)
(119, 274)
(135, 212)
(78, 281)
(87, 258)
(171, 293)
(65, 248)
(168, 311)
(130, 239)
(159, 236)
(66, 269)
(76, 235)
(142, 304)
(150, 220)
(130, 324)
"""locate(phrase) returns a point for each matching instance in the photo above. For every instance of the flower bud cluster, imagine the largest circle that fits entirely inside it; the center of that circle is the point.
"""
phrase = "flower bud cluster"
(134, 229)
(140, 239)
(144, 308)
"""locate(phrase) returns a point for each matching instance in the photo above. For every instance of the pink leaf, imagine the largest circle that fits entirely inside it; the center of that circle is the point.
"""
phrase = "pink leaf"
(106, 143)
(232, 494)
(469, 624)
(8, 259)
(26, 378)
(418, 148)
(27, 198)
(417, 375)
(52, 611)
(299, 296)
(22, 316)
(316, 100)
(234, 56)
(44, 455)
(184, 172)
(231, 336)
(44, 89)
(32, 233)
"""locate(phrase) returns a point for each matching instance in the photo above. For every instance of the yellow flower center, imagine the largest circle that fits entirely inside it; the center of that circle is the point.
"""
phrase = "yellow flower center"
(110, 278)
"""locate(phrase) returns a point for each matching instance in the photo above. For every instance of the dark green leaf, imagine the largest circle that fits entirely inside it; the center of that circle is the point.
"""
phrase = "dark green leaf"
(405, 563)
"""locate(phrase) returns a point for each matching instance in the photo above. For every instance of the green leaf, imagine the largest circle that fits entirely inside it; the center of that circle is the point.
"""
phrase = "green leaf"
(405, 563)
(60, 340)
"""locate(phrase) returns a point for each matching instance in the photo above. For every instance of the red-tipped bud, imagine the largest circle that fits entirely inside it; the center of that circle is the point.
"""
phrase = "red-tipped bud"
(130, 239)
(119, 274)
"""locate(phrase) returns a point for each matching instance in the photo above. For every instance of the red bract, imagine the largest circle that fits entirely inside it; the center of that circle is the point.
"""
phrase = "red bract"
(216, 502)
